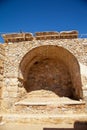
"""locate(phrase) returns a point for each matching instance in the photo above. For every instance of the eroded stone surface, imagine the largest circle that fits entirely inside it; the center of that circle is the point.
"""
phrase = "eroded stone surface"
(29, 69)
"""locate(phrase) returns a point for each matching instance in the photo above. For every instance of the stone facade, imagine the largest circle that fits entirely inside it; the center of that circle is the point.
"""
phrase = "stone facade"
(43, 67)
(2, 56)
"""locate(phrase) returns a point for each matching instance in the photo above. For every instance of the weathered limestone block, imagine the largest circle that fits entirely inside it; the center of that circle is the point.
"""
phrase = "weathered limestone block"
(12, 94)
(4, 93)
(9, 92)
(1, 77)
(2, 50)
(1, 83)
(12, 88)
(1, 63)
(47, 35)
(10, 81)
(69, 34)
(1, 71)
(17, 37)
(11, 75)
(6, 104)
(85, 46)
(0, 92)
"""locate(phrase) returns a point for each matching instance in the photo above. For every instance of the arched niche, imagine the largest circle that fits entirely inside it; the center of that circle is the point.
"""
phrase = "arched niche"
(53, 68)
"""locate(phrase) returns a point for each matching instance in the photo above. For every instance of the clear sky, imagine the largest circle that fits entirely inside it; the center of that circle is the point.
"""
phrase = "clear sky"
(43, 15)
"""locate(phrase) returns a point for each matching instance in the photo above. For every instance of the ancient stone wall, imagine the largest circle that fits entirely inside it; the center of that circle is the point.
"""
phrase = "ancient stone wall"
(2, 58)
(40, 74)
(15, 53)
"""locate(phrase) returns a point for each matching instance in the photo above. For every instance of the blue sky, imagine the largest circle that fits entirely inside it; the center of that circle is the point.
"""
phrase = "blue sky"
(43, 15)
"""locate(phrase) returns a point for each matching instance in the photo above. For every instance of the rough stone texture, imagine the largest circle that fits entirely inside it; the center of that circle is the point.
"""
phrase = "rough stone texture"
(49, 75)
(15, 53)
(2, 56)
(17, 37)
(48, 65)
(44, 119)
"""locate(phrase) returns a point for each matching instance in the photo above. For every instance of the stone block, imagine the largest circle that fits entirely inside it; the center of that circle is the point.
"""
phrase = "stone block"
(1, 71)
(1, 83)
(2, 57)
(0, 92)
(10, 81)
(46, 33)
(17, 37)
(6, 104)
(69, 34)
(5, 93)
(1, 77)
(1, 63)
(12, 88)
(12, 94)
(11, 75)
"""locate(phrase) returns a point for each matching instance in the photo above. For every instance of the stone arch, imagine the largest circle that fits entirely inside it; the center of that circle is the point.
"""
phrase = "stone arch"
(51, 67)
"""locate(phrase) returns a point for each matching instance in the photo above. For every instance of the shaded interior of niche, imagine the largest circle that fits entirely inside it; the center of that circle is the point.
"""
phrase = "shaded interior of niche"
(51, 75)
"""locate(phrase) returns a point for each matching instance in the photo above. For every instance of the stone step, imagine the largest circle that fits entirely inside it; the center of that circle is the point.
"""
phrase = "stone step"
(44, 119)
(49, 101)
(48, 108)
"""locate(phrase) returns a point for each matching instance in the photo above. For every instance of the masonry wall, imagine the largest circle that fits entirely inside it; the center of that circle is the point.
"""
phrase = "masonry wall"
(2, 58)
(15, 53)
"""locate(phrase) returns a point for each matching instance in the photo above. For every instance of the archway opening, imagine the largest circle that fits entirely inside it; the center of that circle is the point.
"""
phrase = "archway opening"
(51, 69)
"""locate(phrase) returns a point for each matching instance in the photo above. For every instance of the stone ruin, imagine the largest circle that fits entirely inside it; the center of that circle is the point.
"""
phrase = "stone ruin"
(43, 75)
